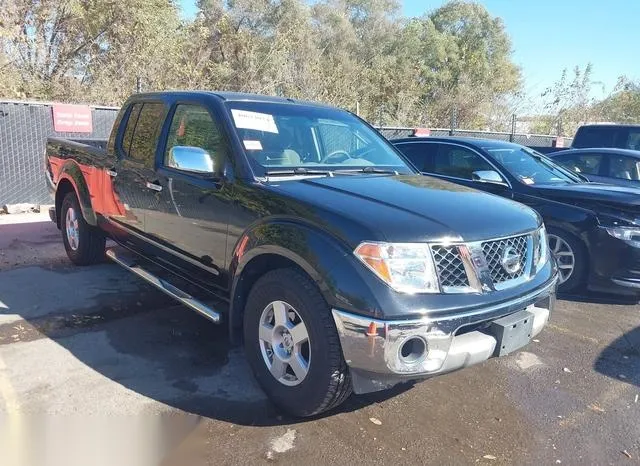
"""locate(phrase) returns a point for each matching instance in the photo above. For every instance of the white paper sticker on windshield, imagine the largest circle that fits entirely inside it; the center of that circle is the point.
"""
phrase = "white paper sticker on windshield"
(252, 145)
(254, 120)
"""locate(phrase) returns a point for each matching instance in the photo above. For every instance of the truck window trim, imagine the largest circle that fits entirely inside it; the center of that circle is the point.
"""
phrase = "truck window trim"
(157, 135)
(164, 140)
(122, 129)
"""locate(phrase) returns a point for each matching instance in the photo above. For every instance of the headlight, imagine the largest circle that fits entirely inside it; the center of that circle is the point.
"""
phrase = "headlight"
(541, 250)
(629, 234)
(405, 267)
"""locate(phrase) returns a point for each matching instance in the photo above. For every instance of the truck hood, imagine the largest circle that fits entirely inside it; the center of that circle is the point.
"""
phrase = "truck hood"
(589, 193)
(407, 208)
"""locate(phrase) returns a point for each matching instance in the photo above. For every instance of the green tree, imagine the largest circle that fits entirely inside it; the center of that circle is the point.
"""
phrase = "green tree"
(86, 49)
(469, 66)
(350, 53)
(569, 102)
(623, 105)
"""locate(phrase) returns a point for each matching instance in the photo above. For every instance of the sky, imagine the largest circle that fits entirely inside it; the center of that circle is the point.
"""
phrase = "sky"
(550, 35)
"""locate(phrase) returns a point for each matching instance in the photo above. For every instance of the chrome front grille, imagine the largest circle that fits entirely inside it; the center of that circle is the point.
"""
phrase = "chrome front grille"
(494, 251)
(449, 266)
(484, 265)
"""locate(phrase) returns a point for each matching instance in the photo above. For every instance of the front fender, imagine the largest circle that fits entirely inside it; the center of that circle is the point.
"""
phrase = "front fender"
(329, 262)
(72, 173)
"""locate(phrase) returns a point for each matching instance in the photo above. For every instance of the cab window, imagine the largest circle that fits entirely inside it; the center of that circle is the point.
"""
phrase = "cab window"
(145, 135)
(192, 129)
(134, 113)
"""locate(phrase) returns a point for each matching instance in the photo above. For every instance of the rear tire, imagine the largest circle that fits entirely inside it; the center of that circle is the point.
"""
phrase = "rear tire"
(325, 382)
(565, 244)
(84, 243)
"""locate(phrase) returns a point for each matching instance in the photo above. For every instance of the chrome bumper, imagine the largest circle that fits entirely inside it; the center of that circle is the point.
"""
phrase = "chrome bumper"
(374, 346)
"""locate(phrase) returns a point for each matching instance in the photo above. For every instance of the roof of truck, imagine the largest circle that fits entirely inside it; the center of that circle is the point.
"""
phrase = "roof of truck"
(610, 125)
(234, 97)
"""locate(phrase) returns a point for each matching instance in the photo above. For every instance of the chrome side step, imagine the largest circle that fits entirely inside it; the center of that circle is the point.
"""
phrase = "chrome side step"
(129, 263)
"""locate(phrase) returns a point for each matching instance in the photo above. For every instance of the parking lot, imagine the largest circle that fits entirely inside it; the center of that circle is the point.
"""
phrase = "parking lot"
(87, 342)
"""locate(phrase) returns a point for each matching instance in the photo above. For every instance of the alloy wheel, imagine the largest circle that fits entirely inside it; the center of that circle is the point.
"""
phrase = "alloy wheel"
(564, 256)
(284, 343)
(73, 232)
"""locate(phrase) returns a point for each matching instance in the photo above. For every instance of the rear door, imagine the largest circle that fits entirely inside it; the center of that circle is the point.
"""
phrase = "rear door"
(134, 179)
(190, 222)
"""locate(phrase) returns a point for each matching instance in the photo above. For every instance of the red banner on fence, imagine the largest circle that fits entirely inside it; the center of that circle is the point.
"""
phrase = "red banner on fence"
(72, 118)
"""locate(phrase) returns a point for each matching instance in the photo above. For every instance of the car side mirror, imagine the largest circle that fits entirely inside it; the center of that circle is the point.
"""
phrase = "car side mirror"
(488, 176)
(193, 159)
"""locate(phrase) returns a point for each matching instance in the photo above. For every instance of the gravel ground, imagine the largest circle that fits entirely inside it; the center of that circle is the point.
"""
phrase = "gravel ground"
(94, 354)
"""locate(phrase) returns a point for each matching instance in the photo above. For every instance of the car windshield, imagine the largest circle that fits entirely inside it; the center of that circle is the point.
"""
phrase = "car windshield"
(281, 138)
(531, 167)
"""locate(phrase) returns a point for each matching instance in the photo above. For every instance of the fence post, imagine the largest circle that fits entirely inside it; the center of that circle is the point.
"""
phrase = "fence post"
(453, 122)
(513, 127)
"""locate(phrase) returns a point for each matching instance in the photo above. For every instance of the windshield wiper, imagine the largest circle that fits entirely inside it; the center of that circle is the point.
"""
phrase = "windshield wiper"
(384, 171)
(298, 171)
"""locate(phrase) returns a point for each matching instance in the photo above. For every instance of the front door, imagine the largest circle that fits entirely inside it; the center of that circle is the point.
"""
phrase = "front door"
(191, 219)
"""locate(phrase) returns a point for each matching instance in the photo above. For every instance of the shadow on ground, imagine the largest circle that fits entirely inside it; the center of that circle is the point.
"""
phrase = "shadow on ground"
(593, 297)
(621, 359)
(144, 342)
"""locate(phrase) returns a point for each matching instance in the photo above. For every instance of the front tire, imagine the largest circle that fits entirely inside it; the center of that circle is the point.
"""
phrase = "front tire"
(292, 344)
(84, 243)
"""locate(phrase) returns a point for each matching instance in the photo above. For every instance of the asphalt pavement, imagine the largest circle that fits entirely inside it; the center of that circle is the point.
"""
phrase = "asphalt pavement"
(94, 349)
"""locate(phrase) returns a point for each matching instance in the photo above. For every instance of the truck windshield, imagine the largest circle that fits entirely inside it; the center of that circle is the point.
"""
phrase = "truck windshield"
(279, 136)
(531, 167)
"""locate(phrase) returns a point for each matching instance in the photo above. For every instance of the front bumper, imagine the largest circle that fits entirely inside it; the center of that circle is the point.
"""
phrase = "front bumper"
(373, 349)
(615, 265)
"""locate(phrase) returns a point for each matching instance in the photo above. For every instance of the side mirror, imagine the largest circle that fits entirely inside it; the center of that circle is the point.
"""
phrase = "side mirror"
(193, 159)
(488, 176)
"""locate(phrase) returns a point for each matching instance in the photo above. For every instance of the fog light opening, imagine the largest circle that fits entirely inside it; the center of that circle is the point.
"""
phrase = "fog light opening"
(413, 350)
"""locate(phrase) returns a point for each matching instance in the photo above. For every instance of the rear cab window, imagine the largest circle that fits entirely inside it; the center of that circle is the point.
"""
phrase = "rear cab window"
(141, 134)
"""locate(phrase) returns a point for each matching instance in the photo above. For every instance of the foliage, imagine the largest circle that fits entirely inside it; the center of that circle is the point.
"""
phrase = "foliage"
(569, 102)
(350, 53)
(623, 105)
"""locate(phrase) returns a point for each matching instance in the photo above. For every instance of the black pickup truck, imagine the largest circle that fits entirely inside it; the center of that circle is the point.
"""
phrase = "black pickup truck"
(337, 265)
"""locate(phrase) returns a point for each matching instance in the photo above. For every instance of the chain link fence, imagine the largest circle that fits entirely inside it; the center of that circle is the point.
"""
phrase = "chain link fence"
(24, 129)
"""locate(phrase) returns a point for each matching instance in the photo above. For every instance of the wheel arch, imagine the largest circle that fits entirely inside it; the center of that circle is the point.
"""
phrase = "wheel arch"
(71, 179)
(272, 246)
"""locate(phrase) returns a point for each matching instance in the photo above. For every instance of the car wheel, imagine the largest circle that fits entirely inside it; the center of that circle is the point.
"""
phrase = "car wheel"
(292, 344)
(84, 243)
(571, 258)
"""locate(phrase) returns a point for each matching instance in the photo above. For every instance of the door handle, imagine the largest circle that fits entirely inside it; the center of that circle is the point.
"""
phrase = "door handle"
(112, 173)
(154, 186)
